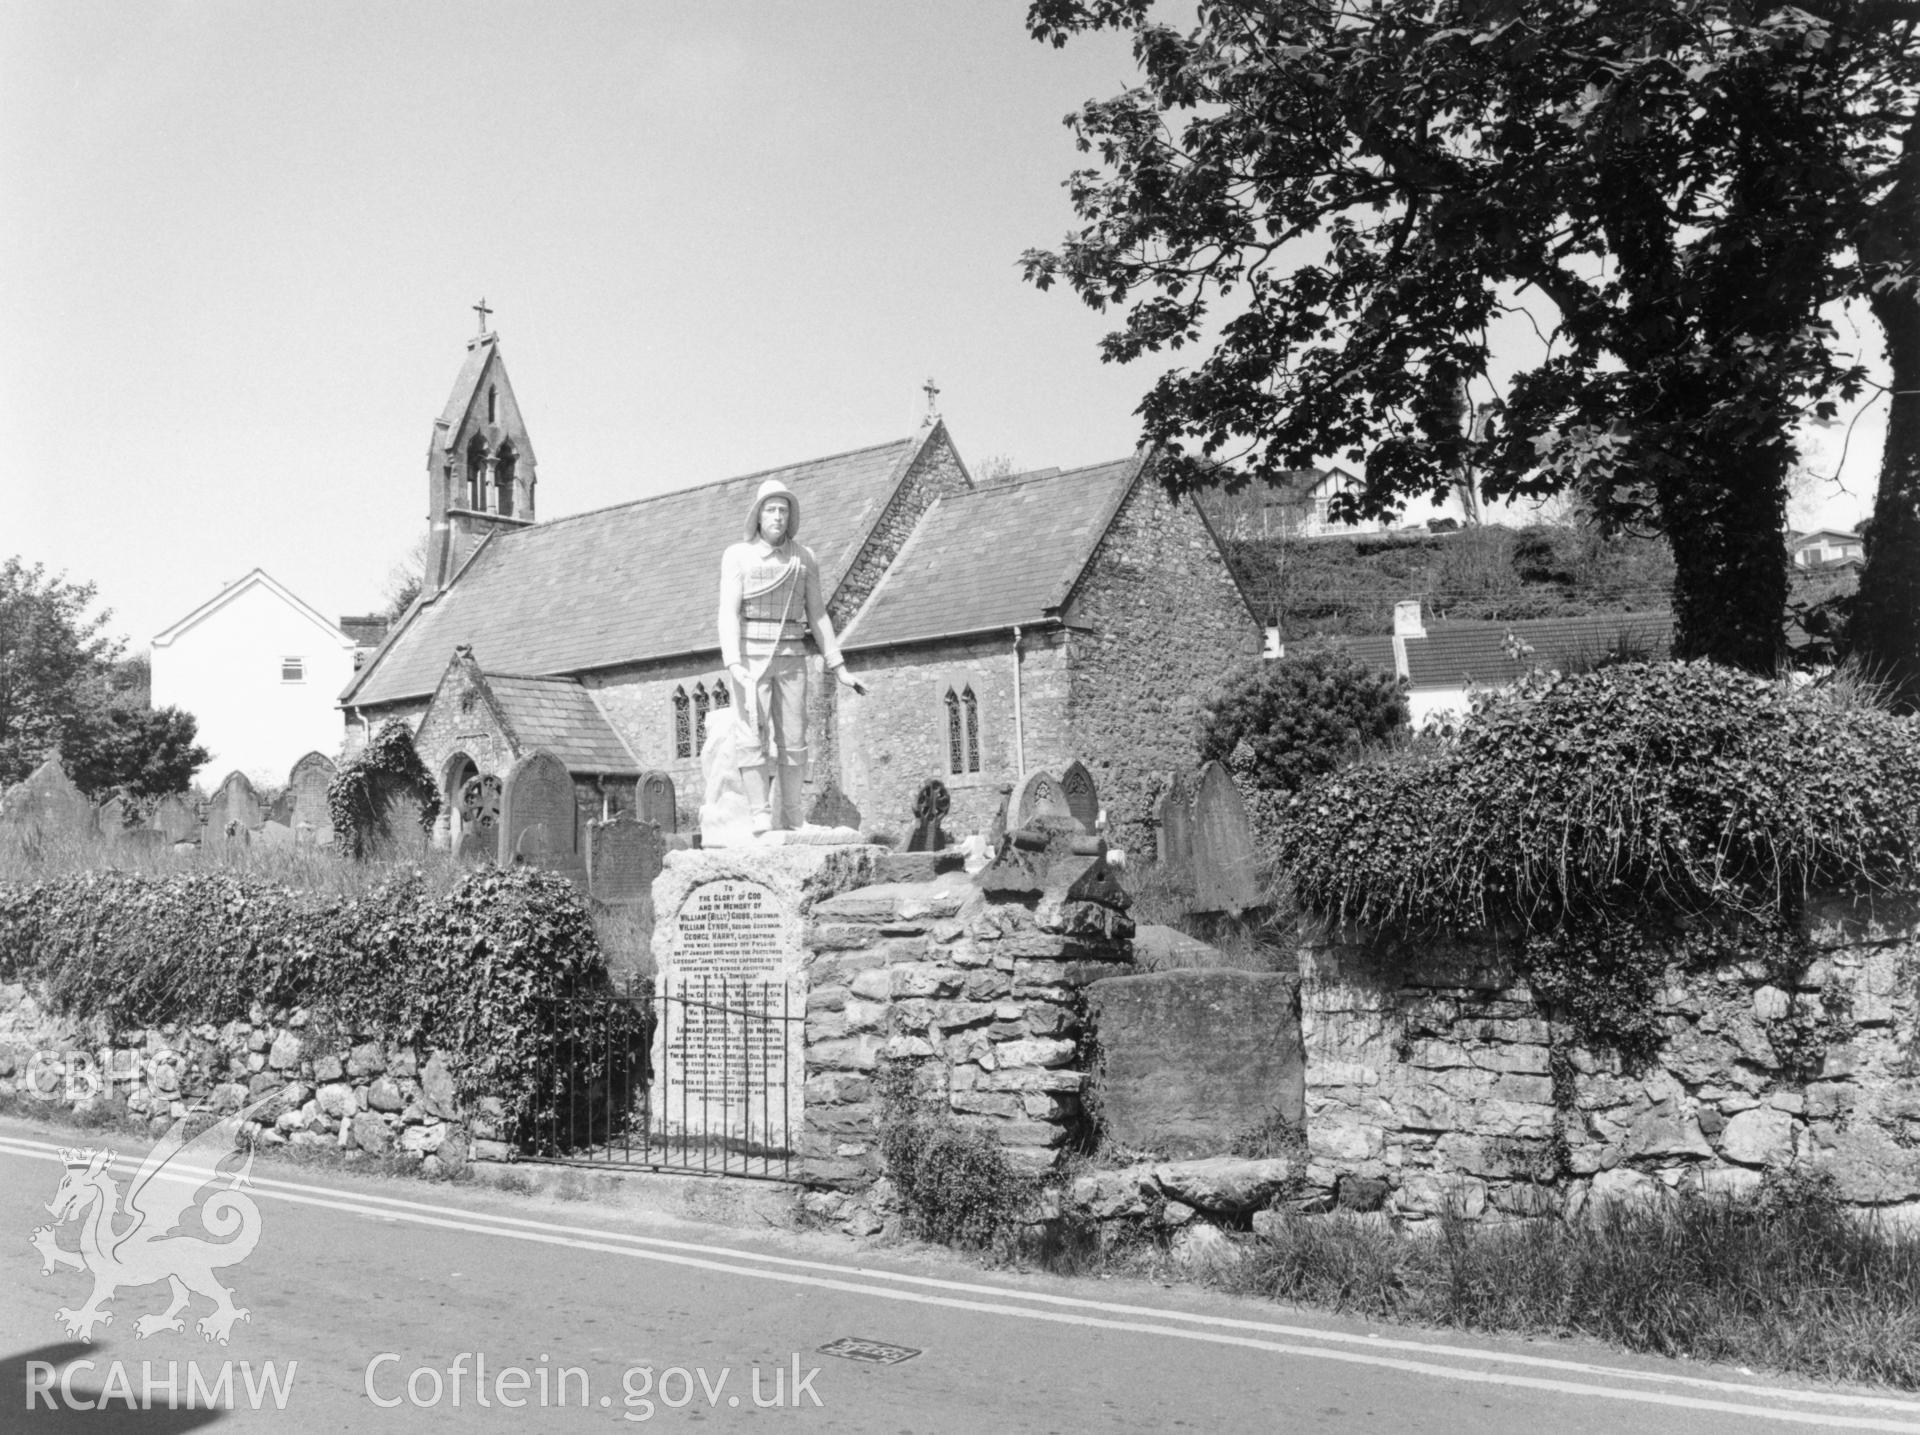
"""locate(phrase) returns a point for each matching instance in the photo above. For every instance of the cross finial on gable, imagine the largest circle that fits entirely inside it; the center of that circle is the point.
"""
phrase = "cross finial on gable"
(932, 391)
(482, 310)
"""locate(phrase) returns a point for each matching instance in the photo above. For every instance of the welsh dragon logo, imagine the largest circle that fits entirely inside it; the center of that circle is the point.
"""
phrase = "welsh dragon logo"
(133, 1243)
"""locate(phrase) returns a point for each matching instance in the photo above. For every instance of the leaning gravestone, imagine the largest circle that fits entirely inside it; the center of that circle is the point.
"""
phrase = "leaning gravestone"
(1082, 797)
(656, 800)
(930, 805)
(235, 802)
(46, 806)
(623, 858)
(1173, 832)
(538, 815)
(1224, 875)
(175, 819)
(307, 784)
(1038, 795)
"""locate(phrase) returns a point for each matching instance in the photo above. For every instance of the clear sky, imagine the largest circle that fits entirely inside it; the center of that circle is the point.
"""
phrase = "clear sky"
(239, 243)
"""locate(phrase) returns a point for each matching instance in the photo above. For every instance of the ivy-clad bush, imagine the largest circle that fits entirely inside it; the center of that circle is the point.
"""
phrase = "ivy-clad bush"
(474, 972)
(1280, 723)
(1689, 787)
(1620, 820)
(361, 797)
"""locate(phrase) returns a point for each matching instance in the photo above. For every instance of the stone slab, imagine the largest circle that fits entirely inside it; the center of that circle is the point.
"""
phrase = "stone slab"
(1192, 1060)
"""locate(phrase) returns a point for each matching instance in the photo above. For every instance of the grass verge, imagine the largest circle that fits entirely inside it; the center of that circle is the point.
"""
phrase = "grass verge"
(1785, 1279)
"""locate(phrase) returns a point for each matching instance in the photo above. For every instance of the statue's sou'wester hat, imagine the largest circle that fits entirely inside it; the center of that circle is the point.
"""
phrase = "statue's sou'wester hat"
(773, 488)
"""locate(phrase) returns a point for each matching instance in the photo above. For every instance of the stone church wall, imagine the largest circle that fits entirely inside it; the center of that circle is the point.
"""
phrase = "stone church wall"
(936, 472)
(1156, 623)
(895, 738)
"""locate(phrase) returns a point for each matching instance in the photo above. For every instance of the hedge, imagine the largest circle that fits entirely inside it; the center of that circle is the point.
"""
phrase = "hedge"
(474, 973)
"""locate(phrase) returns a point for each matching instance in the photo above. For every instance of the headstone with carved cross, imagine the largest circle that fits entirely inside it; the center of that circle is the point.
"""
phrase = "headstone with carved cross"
(930, 805)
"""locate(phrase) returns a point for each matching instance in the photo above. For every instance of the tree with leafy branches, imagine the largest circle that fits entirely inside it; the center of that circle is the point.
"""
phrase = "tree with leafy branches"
(1339, 201)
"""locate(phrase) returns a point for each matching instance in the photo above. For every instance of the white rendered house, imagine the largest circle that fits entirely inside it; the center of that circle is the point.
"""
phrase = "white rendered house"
(261, 671)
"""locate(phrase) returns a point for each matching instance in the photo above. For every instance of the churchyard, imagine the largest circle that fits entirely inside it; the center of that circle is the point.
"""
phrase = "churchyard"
(1021, 1039)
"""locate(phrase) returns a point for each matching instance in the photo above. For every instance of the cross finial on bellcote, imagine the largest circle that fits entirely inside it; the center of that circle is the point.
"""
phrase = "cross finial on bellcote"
(932, 391)
(482, 310)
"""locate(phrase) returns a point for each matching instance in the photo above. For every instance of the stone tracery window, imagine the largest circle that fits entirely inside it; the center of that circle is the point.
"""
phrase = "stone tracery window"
(963, 731)
(701, 705)
(682, 725)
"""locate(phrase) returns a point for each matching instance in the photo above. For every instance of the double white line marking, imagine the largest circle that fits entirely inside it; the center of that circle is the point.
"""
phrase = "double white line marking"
(1832, 1409)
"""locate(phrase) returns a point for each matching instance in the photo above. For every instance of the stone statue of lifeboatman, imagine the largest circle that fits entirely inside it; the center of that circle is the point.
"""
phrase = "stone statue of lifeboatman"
(770, 603)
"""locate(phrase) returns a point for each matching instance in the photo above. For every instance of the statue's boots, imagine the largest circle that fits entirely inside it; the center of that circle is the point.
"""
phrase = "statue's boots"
(793, 797)
(759, 798)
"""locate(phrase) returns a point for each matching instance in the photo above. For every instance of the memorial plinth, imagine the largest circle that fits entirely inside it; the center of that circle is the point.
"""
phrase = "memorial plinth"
(729, 950)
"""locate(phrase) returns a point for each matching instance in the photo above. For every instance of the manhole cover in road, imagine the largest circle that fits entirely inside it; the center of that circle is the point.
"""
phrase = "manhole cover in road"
(874, 1352)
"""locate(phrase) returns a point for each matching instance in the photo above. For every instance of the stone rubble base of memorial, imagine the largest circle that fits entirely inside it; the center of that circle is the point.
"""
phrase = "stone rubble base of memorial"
(1415, 1081)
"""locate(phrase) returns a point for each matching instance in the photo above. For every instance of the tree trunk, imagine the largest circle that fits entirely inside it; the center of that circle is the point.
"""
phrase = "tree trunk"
(1885, 632)
(1725, 520)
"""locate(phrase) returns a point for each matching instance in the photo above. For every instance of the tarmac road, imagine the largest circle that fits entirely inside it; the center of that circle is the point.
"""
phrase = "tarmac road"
(379, 1303)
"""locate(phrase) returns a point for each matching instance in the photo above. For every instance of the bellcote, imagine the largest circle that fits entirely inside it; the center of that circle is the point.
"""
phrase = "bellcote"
(480, 464)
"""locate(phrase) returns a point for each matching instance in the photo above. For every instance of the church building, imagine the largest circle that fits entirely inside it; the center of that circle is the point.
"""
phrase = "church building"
(999, 627)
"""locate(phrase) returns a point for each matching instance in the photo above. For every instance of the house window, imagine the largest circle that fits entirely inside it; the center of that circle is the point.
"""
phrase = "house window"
(700, 706)
(293, 670)
(963, 731)
(682, 725)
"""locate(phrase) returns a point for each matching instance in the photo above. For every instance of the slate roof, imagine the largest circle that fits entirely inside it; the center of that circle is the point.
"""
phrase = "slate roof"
(560, 715)
(1456, 655)
(623, 584)
(1006, 553)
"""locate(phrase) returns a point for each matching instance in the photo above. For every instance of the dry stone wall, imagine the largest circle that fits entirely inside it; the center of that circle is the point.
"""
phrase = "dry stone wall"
(382, 1099)
(1434, 1081)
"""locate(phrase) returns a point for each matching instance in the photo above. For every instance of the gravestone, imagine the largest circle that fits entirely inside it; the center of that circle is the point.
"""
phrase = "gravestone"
(111, 817)
(1038, 795)
(1173, 832)
(623, 858)
(997, 832)
(307, 784)
(175, 819)
(46, 806)
(274, 834)
(140, 839)
(235, 801)
(538, 815)
(280, 810)
(1082, 797)
(930, 805)
(833, 808)
(729, 1053)
(480, 819)
(1224, 874)
(401, 834)
(656, 801)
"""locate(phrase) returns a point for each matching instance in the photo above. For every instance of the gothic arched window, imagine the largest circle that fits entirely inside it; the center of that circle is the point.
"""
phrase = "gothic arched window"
(682, 725)
(477, 474)
(956, 741)
(700, 707)
(503, 468)
(493, 404)
(722, 694)
(970, 713)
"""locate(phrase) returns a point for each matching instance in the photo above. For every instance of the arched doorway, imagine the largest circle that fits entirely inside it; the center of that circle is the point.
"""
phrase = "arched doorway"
(454, 776)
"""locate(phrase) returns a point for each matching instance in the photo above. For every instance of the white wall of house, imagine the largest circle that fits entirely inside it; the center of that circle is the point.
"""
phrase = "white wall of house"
(260, 670)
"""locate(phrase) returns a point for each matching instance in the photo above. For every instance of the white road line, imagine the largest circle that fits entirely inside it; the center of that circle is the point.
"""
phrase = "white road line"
(612, 1244)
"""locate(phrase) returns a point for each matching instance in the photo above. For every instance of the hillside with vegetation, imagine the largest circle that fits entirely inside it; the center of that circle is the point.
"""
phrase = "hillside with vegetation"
(1347, 586)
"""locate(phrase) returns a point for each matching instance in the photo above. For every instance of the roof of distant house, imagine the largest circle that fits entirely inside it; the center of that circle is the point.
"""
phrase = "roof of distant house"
(1007, 553)
(1494, 654)
(624, 584)
(1821, 535)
